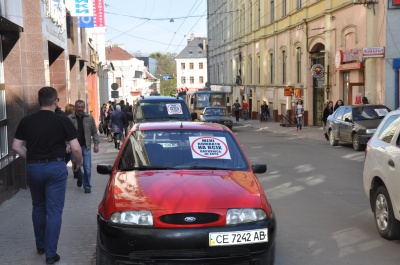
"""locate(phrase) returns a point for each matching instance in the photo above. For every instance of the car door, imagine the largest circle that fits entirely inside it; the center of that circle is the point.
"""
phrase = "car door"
(346, 125)
(335, 121)
(390, 158)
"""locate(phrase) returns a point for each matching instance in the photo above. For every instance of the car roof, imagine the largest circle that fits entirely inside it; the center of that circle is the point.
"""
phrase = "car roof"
(160, 98)
(179, 125)
(365, 105)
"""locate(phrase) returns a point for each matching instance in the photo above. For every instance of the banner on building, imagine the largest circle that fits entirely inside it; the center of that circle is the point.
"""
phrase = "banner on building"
(98, 10)
(85, 22)
(80, 8)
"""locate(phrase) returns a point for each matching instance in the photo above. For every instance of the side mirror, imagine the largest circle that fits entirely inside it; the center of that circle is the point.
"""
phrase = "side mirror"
(347, 120)
(104, 169)
(193, 115)
(259, 168)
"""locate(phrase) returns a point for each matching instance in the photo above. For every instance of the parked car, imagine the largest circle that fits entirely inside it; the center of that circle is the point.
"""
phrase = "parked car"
(184, 192)
(160, 108)
(216, 115)
(381, 177)
(354, 124)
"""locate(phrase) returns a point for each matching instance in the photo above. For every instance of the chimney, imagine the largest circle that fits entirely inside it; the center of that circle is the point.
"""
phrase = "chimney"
(191, 38)
(204, 45)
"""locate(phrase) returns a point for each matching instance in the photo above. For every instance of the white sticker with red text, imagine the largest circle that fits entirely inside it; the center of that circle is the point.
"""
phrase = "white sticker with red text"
(174, 108)
(209, 147)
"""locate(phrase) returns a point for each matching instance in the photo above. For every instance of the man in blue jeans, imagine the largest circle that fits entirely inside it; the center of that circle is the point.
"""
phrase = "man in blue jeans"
(41, 138)
(87, 130)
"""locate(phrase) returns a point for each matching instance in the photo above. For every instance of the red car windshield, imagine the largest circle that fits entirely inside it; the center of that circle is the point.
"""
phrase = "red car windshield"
(182, 149)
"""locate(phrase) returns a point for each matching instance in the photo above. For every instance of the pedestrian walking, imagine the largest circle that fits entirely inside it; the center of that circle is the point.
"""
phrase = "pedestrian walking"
(245, 107)
(338, 104)
(299, 112)
(41, 138)
(125, 110)
(117, 123)
(328, 110)
(236, 106)
(264, 111)
(87, 130)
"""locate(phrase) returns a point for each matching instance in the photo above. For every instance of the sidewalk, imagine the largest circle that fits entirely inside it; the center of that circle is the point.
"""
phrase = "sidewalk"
(311, 132)
(77, 244)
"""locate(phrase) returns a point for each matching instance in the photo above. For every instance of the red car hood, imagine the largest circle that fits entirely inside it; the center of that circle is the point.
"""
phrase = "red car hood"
(185, 190)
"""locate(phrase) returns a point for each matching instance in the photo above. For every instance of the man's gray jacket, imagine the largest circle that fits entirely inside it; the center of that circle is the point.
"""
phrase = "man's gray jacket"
(89, 128)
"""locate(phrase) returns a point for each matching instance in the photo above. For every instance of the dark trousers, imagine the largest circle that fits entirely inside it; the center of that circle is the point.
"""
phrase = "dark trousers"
(47, 182)
(237, 115)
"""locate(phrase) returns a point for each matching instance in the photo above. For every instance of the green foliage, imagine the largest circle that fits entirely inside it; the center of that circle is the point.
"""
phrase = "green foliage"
(166, 67)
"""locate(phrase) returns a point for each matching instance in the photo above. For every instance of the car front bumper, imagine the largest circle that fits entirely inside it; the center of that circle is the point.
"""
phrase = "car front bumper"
(187, 245)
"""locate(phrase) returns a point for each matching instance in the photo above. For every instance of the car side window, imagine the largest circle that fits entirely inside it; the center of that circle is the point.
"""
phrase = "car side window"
(339, 113)
(389, 128)
(347, 114)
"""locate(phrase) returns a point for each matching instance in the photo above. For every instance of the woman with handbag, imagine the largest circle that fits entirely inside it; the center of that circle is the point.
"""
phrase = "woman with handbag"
(299, 112)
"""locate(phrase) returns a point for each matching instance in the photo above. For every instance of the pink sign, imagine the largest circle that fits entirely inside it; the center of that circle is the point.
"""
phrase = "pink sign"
(98, 13)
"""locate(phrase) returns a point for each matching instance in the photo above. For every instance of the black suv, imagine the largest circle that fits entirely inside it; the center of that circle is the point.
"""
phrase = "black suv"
(160, 108)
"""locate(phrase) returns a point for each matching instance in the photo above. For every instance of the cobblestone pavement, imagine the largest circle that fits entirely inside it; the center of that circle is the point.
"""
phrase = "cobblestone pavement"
(78, 234)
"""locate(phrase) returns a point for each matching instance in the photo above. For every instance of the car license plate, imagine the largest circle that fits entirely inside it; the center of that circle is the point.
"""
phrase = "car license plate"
(238, 237)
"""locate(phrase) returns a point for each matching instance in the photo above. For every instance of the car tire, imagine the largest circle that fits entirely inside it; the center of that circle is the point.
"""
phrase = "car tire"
(101, 257)
(387, 225)
(332, 140)
(268, 258)
(356, 143)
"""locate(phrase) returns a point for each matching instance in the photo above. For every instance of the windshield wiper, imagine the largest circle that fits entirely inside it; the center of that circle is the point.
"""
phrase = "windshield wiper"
(145, 168)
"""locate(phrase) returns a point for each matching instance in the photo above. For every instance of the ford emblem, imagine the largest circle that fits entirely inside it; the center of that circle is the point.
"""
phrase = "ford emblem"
(190, 219)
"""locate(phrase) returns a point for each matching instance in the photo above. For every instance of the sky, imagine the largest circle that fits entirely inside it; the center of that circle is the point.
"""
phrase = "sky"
(145, 25)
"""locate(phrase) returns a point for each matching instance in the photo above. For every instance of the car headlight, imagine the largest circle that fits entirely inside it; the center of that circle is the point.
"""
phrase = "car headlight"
(144, 218)
(370, 131)
(241, 216)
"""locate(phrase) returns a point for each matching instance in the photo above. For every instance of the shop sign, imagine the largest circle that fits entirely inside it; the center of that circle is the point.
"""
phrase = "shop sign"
(352, 55)
(338, 58)
(350, 66)
(80, 8)
(55, 11)
(317, 70)
(373, 52)
(288, 92)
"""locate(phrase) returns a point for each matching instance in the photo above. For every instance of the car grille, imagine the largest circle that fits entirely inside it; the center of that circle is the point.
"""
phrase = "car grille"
(189, 218)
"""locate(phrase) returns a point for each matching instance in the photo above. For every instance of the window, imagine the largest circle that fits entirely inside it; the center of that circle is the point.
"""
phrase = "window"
(389, 128)
(183, 80)
(258, 69)
(299, 4)
(3, 114)
(283, 8)
(298, 64)
(200, 65)
(251, 70)
(283, 67)
(118, 81)
(271, 67)
(259, 13)
(192, 79)
(190, 52)
(272, 10)
(183, 66)
(251, 16)
(243, 20)
(201, 79)
(191, 67)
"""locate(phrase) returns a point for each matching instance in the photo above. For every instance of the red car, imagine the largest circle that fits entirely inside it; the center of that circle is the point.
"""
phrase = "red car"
(184, 192)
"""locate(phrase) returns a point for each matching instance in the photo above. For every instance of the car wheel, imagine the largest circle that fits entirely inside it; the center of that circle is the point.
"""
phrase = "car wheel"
(101, 257)
(386, 224)
(268, 258)
(356, 143)
(332, 140)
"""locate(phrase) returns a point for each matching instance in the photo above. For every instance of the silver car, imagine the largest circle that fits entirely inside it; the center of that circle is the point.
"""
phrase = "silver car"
(381, 177)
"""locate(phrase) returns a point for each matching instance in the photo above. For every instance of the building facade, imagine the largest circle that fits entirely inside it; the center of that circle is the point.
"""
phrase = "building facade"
(41, 45)
(191, 65)
(285, 50)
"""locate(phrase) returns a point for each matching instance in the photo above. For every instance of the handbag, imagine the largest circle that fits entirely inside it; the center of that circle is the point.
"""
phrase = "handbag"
(101, 130)
(300, 115)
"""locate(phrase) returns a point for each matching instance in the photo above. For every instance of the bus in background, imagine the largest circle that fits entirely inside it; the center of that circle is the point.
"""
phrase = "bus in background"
(198, 100)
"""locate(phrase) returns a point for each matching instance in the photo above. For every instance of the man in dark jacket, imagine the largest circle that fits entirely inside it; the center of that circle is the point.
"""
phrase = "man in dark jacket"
(117, 123)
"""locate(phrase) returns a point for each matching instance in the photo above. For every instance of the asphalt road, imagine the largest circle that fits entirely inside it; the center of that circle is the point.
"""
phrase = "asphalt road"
(316, 191)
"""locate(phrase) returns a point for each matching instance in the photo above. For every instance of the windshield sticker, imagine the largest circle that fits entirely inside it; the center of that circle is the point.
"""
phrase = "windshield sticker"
(174, 108)
(209, 147)
(381, 112)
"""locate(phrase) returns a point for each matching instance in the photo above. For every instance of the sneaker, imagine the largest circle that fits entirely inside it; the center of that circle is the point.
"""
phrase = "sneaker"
(52, 260)
(79, 183)
(88, 191)
(40, 250)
